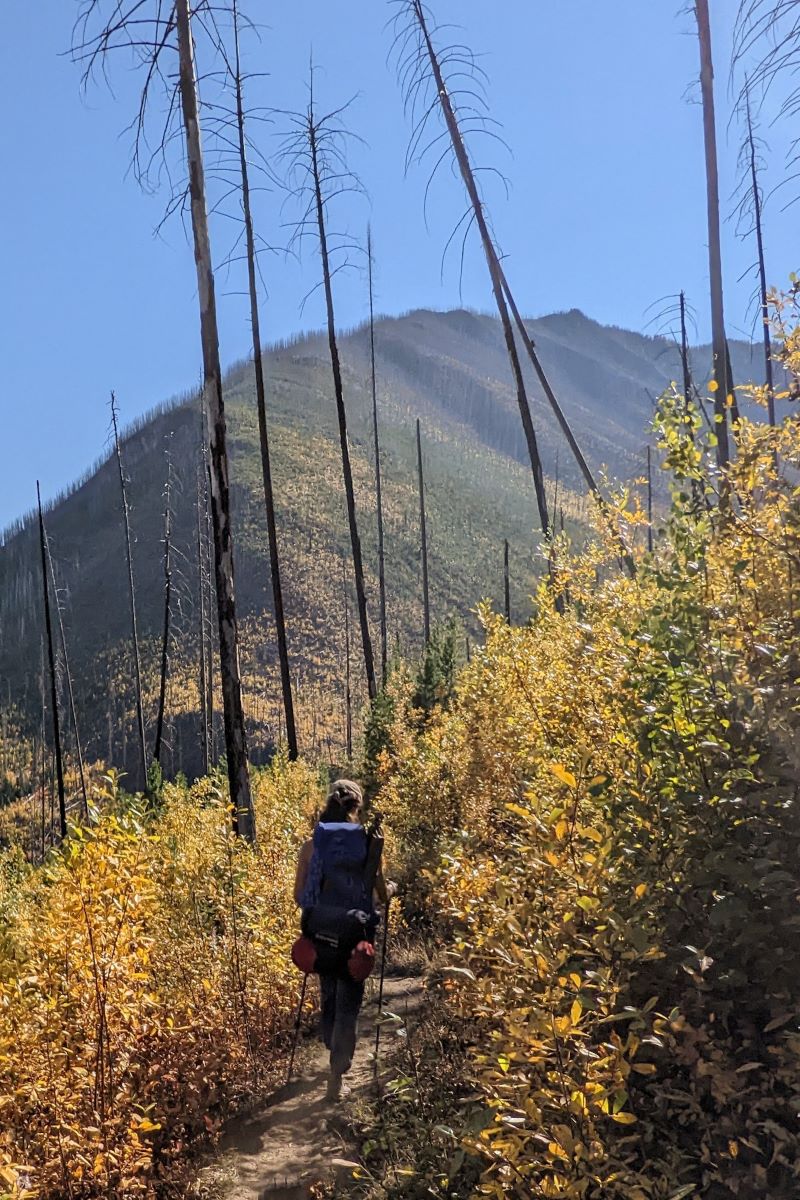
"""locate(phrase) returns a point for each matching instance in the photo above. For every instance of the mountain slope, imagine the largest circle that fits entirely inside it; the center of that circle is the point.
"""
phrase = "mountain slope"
(448, 368)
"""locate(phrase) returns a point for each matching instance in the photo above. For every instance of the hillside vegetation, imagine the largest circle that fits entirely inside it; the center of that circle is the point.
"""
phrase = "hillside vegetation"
(448, 368)
(601, 834)
(596, 829)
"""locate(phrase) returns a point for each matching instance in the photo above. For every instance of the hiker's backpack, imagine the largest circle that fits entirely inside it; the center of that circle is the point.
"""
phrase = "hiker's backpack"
(338, 912)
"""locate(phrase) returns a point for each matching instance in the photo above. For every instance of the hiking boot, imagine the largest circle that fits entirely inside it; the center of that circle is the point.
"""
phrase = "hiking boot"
(337, 1088)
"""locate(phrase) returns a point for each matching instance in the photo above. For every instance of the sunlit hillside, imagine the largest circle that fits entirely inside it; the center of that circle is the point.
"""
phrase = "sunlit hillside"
(447, 368)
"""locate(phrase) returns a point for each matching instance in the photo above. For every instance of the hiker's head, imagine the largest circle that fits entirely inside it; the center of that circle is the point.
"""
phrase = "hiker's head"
(343, 802)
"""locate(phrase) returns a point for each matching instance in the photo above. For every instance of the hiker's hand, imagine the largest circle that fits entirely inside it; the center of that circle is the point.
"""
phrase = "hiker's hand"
(392, 889)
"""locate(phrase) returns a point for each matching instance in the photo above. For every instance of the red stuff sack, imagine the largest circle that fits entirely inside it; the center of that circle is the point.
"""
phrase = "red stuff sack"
(361, 961)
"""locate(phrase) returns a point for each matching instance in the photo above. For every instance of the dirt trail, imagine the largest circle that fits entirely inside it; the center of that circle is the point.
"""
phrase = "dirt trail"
(279, 1152)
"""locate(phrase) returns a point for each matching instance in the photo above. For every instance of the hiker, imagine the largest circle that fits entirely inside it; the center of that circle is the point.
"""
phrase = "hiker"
(339, 878)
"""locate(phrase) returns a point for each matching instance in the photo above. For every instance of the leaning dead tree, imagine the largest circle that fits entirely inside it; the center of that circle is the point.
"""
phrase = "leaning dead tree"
(137, 660)
(721, 362)
(261, 403)
(149, 31)
(62, 803)
(421, 70)
(423, 75)
(315, 149)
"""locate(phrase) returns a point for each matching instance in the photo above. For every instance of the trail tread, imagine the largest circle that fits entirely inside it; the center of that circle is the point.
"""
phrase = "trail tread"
(280, 1152)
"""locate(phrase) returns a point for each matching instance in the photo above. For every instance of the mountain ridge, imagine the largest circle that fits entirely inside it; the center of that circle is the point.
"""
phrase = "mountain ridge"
(449, 368)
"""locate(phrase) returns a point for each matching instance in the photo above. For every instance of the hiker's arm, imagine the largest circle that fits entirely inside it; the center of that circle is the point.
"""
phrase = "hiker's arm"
(383, 890)
(303, 863)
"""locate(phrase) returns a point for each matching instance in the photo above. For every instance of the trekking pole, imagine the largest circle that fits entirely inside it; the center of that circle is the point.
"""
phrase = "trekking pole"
(297, 1027)
(380, 986)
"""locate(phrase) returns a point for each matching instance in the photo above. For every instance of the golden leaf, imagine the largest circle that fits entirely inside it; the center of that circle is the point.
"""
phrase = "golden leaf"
(563, 775)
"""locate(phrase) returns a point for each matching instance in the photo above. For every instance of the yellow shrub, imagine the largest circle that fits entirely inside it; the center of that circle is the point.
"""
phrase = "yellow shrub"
(145, 985)
(607, 816)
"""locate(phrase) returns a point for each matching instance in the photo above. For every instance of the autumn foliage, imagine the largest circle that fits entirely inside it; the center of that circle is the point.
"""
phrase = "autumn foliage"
(146, 987)
(602, 830)
(595, 820)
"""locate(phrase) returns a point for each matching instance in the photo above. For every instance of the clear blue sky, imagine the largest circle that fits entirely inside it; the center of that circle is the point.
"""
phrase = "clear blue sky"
(606, 211)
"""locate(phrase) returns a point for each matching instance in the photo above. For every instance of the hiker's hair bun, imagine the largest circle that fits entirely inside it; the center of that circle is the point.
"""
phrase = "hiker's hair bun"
(343, 799)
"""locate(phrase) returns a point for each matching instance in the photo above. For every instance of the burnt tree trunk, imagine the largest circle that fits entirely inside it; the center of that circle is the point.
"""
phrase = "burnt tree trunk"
(235, 740)
(258, 363)
(688, 387)
(210, 590)
(649, 499)
(762, 271)
(506, 582)
(348, 682)
(423, 533)
(162, 690)
(205, 748)
(378, 480)
(689, 390)
(137, 662)
(492, 260)
(347, 471)
(566, 429)
(43, 739)
(62, 800)
(719, 345)
(70, 690)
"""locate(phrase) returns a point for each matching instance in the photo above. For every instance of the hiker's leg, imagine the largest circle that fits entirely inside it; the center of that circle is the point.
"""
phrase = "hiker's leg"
(327, 988)
(349, 995)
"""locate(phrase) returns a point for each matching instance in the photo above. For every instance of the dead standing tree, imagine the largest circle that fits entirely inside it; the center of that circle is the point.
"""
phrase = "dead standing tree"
(722, 379)
(62, 803)
(148, 30)
(235, 70)
(378, 476)
(205, 746)
(423, 538)
(137, 660)
(162, 690)
(315, 150)
(233, 712)
(348, 685)
(749, 221)
(68, 674)
(507, 581)
(686, 367)
(208, 556)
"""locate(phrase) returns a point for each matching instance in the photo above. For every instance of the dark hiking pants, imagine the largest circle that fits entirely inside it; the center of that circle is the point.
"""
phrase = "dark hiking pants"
(341, 1001)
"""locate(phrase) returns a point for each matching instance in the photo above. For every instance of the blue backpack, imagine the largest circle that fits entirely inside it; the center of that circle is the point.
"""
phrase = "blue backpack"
(338, 911)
